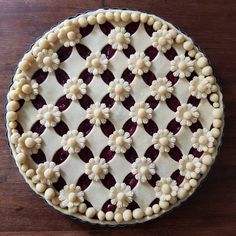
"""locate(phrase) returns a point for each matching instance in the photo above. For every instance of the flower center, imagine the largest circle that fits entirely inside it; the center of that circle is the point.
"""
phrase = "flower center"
(140, 63)
(48, 116)
(26, 88)
(71, 142)
(201, 87)
(144, 169)
(141, 112)
(190, 166)
(97, 113)
(118, 89)
(162, 41)
(72, 197)
(162, 90)
(165, 188)
(71, 35)
(96, 169)
(203, 140)
(47, 61)
(187, 115)
(48, 173)
(121, 196)
(119, 140)
(164, 141)
(182, 65)
(120, 38)
(96, 62)
(74, 89)
(29, 142)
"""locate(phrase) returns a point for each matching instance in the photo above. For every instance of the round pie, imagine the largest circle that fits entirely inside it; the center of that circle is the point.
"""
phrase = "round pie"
(114, 117)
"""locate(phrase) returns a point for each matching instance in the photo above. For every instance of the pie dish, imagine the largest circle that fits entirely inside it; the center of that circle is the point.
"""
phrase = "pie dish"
(114, 117)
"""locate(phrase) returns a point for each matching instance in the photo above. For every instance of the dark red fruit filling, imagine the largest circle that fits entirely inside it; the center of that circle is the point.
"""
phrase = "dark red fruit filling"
(133, 205)
(86, 30)
(59, 185)
(177, 177)
(39, 157)
(128, 76)
(149, 29)
(193, 100)
(107, 206)
(40, 76)
(195, 152)
(171, 54)
(63, 103)
(172, 78)
(83, 182)
(151, 153)
(148, 78)
(108, 101)
(107, 128)
(152, 102)
(173, 103)
(128, 102)
(38, 127)
(107, 154)
(64, 52)
(153, 180)
(132, 27)
(150, 127)
(174, 126)
(60, 156)
(85, 102)
(38, 102)
(109, 181)
(151, 52)
(131, 155)
(21, 103)
(61, 128)
(194, 127)
(61, 76)
(107, 76)
(86, 76)
(19, 128)
(130, 180)
(85, 127)
(130, 126)
(83, 51)
(175, 153)
(106, 28)
(193, 74)
(155, 201)
(129, 51)
(108, 51)
(85, 154)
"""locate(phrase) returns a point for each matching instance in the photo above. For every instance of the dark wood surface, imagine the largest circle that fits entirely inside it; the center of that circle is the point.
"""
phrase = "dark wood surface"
(212, 209)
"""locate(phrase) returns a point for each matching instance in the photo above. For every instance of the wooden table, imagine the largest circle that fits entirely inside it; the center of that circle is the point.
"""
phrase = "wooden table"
(212, 209)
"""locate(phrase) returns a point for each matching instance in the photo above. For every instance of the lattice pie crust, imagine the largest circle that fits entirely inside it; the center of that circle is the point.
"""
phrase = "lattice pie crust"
(114, 117)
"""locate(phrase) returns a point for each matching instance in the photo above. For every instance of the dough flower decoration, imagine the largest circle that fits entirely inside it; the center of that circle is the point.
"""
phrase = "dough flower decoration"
(182, 66)
(187, 114)
(161, 89)
(49, 115)
(96, 63)
(29, 143)
(190, 166)
(47, 60)
(163, 140)
(71, 196)
(203, 140)
(162, 40)
(73, 141)
(26, 88)
(118, 38)
(98, 113)
(119, 141)
(141, 113)
(166, 189)
(48, 173)
(201, 86)
(119, 90)
(121, 195)
(139, 63)
(96, 168)
(75, 88)
(143, 168)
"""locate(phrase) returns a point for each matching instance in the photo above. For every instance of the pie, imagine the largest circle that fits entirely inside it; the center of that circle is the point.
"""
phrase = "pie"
(114, 117)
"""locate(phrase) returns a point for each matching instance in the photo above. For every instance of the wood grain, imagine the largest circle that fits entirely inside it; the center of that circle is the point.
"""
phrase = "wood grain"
(212, 209)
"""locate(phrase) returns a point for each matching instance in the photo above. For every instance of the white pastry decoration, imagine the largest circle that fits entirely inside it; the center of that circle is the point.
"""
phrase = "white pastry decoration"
(48, 60)
(119, 141)
(121, 195)
(143, 168)
(187, 114)
(26, 88)
(161, 89)
(49, 115)
(119, 90)
(97, 63)
(73, 141)
(203, 140)
(162, 40)
(182, 66)
(163, 140)
(48, 173)
(71, 196)
(98, 113)
(141, 113)
(75, 88)
(201, 86)
(96, 168)
(190, 166)
(139, 63)
(118, 38)
(166, 189)
(29, 143)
